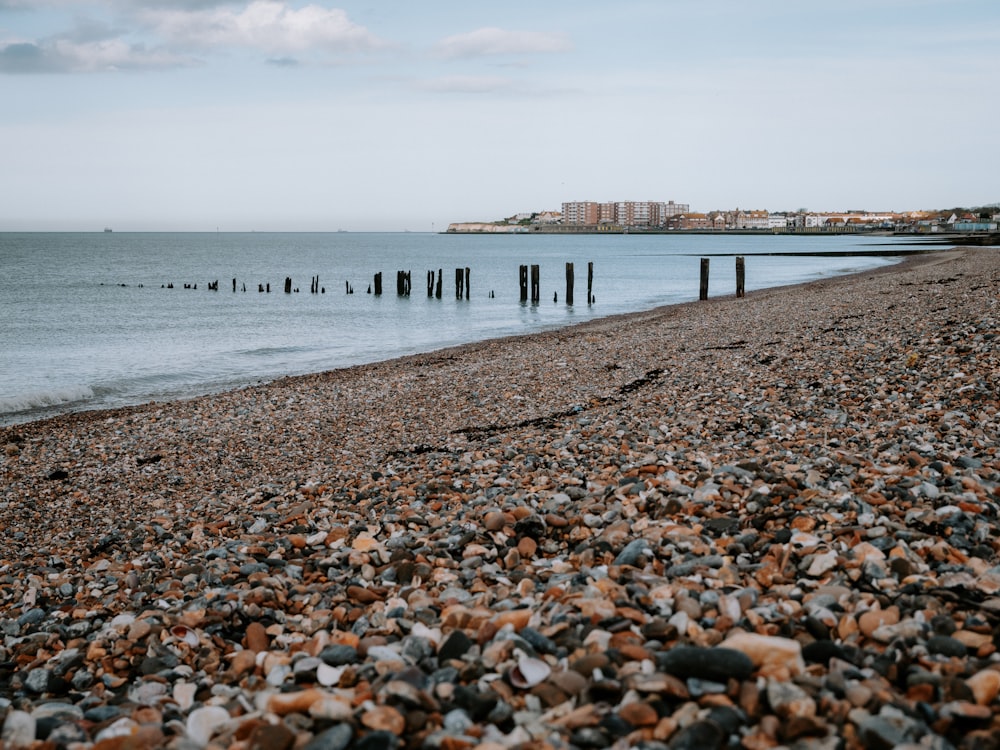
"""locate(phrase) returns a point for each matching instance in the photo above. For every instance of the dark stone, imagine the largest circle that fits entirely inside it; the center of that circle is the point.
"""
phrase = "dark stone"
(820, 652)
(339, 655)
(713, 664)
(531, 526)
(540, 643)
(589, 737)
(477, 705)
(729, 719)
(335, 738)
(632, 552)
(615, 726)
(58, 474)
(946, 646)
(379, 740)
(102, 713)
(702, 735)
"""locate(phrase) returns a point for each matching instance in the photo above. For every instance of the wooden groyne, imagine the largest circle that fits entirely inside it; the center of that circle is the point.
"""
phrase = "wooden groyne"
(529, 279)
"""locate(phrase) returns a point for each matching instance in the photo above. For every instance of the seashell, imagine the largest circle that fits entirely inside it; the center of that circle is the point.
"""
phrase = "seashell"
(528, 672)
(185, 634)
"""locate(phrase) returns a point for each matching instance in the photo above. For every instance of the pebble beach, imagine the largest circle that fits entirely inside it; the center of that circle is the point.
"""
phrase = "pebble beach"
(739, 523)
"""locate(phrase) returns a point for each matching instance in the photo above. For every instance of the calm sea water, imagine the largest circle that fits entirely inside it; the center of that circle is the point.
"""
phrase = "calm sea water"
(86, 320)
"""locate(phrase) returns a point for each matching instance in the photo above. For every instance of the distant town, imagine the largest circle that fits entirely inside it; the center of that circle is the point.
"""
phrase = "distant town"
(659, 216)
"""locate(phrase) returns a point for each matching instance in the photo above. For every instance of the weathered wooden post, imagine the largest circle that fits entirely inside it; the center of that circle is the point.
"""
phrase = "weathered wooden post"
(288, 285)
(378, 284)
(234, 285)
(468, 274)
(430, 283)
(741, 275)
(437, 289)
(569, 283)
(703, 288)
(523, 281)
(399, 283)
(590, 282)
(459, 283)
(536, 285)
(268, 287)
(407, 282)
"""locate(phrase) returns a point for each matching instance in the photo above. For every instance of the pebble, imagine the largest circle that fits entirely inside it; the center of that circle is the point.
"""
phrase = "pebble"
(714, 527)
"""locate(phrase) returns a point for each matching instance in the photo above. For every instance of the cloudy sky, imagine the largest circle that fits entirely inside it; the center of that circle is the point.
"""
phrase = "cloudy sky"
(399, 114)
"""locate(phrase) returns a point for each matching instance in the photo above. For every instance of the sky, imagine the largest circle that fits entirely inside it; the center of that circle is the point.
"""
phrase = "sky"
(280, 115)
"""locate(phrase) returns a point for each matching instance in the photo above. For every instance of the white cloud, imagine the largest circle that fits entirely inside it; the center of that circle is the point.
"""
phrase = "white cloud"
(65, 55)
(492, 41)
(265, 25)
(467, 84)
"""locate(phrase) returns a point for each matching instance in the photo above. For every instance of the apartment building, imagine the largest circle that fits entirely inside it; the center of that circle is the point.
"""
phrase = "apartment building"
(623, 213)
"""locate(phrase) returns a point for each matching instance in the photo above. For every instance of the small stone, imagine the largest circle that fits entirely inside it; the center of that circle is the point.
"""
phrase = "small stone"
(335, 738)
(639, 714)
(203, 722)
(18, 729)
(787, 699)
(386, 719)
(946, 646)
(985, 686)
(632, 552)
(717, 664)
(701, 735)
(339, 655)
(769, 654)
(271, 737)
(256, 638)
(455, 646)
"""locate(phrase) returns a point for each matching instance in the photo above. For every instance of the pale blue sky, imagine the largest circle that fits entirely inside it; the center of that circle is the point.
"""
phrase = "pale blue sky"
(287, 115)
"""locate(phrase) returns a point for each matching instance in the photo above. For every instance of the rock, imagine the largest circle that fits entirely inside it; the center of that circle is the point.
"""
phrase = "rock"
(455, 646)
(946, 646)
(788, 700)
(203, 722)
(769, 654)
(701, 735)
(18, 729)
(271, 737)
(337, 737)
(338, 655)
(717, 664)
(985, 686)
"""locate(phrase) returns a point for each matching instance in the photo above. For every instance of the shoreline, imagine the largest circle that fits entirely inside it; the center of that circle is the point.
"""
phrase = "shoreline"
(56, 411)
(770, 519)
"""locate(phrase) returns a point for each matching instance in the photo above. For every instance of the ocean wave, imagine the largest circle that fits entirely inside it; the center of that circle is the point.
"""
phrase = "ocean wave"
(45, 399)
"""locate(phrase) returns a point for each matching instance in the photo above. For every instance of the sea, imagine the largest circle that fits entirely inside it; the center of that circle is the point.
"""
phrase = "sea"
(107, 319)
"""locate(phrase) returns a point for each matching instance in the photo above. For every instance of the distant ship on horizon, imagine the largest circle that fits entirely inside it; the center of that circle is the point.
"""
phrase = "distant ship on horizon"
(108, 229)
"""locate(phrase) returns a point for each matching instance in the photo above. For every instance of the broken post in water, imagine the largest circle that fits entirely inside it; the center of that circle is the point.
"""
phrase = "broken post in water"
(703, 287)
(569, 283)
(590, 282)
(430, 283)
(468, 284)
(741, 274)
(523, 282)
(536, 285)
(378, 284)
(437, 289)
(459, 283)
(288, 285)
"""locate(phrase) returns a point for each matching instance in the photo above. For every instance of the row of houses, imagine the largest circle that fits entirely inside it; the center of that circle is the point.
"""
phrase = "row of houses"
(639, 215)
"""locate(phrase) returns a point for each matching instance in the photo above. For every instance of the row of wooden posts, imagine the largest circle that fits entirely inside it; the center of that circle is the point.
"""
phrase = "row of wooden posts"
(529, 282)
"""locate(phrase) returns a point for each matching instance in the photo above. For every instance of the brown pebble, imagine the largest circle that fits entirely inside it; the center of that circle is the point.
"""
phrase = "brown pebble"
(271, 737)
(361, 595)
(639, 714)
(526, 547)
(256, 638)
(985, 686)
(384, 718)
